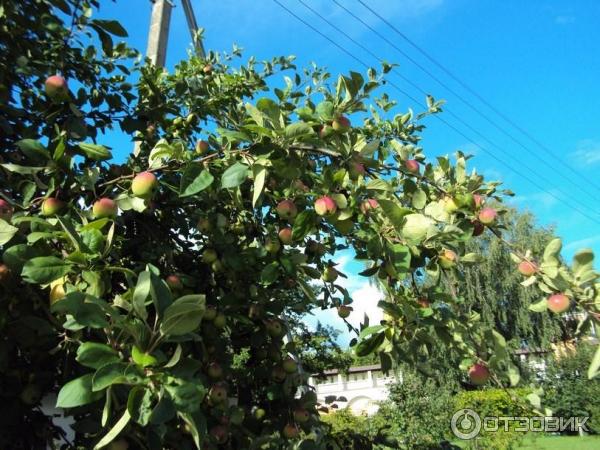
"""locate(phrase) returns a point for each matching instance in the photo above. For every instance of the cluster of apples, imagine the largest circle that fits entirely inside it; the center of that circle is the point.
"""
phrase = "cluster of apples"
(340, 124)
(558, 302)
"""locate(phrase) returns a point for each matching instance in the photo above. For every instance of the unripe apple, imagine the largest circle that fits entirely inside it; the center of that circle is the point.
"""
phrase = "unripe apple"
(207, 69)
(272, 245)
(412, 166)
(219, 433)
(450, 205)
(56, 88)
(259, 413)
(217, 266)
(210, 313)
(286, 209)
(527, 268)
(289, 365)
(368, 205)
(325, 131)
(52, 206)
(236, 415)
(487, 216)
(215, 371)
(209, 256)
(217, 394)
(325, 206)
(290, 431)
(301, 415)
(104, 207)
(341, 124)
(174, 282)
(201, 147)
(344, 311)
(143, 184)
(447, 259)
(478, 228)
(558, 303)
(278, 374)
(57, 291)
(329, 274)
(6, 210)
(285, 235)
(275, 328)
(344, 226)
(479, 374)
(220, 321)
(466, 200)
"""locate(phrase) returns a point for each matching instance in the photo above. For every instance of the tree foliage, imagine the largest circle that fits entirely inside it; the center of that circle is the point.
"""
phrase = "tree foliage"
(153, 297)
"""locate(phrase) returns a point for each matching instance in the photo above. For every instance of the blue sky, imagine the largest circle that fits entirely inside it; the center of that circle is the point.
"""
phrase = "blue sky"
(535, 61)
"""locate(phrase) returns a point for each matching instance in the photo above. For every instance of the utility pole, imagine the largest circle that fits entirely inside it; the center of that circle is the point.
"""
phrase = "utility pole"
(158, 35)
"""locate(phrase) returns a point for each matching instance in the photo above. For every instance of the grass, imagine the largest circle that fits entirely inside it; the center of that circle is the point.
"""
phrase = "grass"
(535, 442)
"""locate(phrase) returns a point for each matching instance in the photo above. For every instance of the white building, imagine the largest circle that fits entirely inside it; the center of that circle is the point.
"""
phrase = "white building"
(360, 389)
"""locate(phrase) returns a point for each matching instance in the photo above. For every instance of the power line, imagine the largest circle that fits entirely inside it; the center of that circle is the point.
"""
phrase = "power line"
(362, 63)
(458, 118)
(467, 88)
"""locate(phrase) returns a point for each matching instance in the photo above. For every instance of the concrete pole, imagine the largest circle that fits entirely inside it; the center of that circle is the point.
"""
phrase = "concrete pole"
(193, 26)
(158, 35)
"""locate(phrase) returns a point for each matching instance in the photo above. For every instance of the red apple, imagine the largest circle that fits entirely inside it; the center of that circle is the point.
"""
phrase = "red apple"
(558, 303)
(325, 131)
(344, 311)
(4, 273)
(272, 245)
(143, 184)
(207, 69)
(290, 431)
(174, 282)
(201, 147)
(487, 216)
(412, 165)
(527, 268)
(285, 235)
(56, 88)
(52, 206)
(447, 259)
(341, 124)
(286, 209)
(220, 434)
(104, 207)
(479, 200)
(6, 210)
(325, 206)
(479, 374)
(423, 302)
(301, 415)
(217, 394)
(368, 205)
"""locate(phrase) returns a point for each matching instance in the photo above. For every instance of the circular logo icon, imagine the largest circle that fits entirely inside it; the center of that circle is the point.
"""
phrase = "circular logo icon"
(466, 424)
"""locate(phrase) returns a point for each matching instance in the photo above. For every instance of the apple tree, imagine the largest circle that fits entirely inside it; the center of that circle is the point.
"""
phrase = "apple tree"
(154, 295)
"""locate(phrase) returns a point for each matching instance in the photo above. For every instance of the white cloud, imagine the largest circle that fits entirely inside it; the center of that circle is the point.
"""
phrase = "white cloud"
(582, 243)
(587, 152)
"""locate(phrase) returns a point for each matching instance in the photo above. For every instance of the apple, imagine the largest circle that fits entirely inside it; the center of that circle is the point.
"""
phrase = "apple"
(450, 205)
(174, 282)
(527, 268)
(341, 124)
(356, 169)
(4, 273)
(290, 431)
(274, 353)
(285, 235)
(207, 69)
(479, 374)
(412, 166)
(236, 415)
(209, 256)
(344, 226)
(278, 374)
(325, 206)
(289, 365)
(6, 210)
(329, 274)
(204, 225)
(210, 313)
(423, 302)
(217, 394)
(56, 88)
(201, 147)
(479, 200)
(368, 205)
(447, 259)
(217, 266)
(144, 184)
(344, 311)
(487, 216)
(325, 131)
(219, 433)
(558, 303)
(215, 371)
(104, 207)
(286, 209)
(57, 291)
(315, 248)
(272, 245)
(275, 328)
(301, 415)
(118, 444)
(478, 228)
(220, 321)
(258, 413)
(52, 206)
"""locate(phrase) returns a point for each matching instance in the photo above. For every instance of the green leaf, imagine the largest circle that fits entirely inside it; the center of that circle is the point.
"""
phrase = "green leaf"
(141, 293)
(45, 269)
(7, 231)
(112, 26)
(260, 173)
(297, 130)
(416, 226)
(96, 355)
(303, 225)
(325, 110)
(394, 212)
(161, 295)
(94, 151)
(175, 358)
(269, 274)
(594, 368)
(23, 170)
(583, 261)
(77, 392)
(114, 432)
(378, 185)
(194, 180)
(142, 359)
(139, 405)
(369, 345)
(183, 316)
(552, 251)
(540, 306)
(187, 395)
(116, 373)
(234, 176)
(33, 149)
